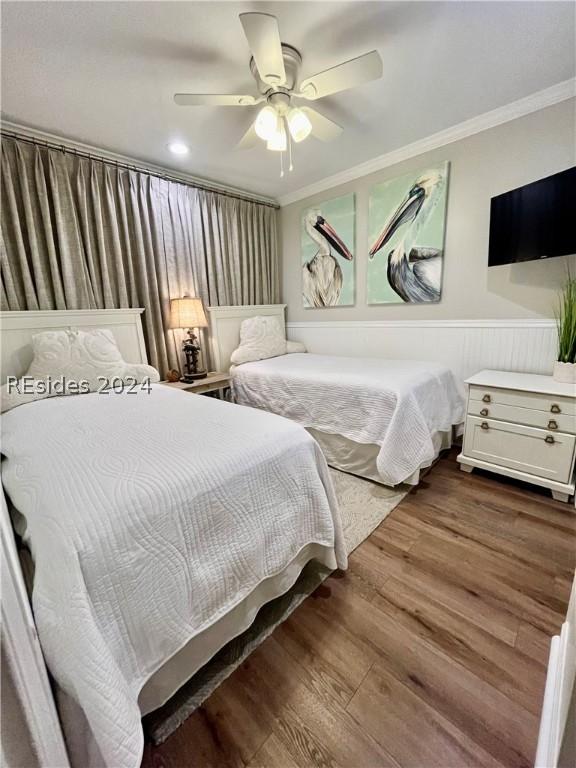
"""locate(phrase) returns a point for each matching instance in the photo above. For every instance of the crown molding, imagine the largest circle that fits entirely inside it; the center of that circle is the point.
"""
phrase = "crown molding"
(41, 136)
(533, 103)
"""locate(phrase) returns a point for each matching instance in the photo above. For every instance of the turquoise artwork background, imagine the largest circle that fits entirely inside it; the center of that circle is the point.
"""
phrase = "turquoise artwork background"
(340, 213)
(384, 200)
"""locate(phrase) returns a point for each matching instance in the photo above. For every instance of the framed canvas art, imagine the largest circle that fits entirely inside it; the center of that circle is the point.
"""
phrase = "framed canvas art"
(406, 223)
(327, 244)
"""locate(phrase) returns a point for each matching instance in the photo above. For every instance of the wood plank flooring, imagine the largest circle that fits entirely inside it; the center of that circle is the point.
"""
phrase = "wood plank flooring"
(431, 650)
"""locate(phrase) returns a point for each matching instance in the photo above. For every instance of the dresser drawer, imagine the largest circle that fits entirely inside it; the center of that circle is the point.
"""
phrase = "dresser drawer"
(526, 449)
(533, 400)
(553, 422)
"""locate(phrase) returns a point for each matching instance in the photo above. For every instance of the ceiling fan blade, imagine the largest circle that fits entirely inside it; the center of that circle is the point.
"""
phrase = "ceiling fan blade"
(215, 100)
(340, 78)
(261, 30)
(249, 140)
(322, 128)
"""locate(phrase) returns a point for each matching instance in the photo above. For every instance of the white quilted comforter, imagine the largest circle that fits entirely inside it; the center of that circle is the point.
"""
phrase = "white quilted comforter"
(149, 517)
(396, 404)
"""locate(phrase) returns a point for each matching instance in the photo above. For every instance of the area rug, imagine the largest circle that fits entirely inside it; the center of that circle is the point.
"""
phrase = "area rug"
(363, 506)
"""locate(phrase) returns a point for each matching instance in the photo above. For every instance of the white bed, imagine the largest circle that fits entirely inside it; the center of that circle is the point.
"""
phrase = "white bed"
(159, 523)
(381, 419)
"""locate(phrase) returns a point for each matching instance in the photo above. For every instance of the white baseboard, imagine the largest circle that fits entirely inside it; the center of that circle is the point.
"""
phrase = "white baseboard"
(466, 346)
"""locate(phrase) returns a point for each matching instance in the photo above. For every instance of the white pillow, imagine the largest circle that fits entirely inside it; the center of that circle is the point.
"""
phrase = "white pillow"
(260, 337)
(73, 362)
(294, 346)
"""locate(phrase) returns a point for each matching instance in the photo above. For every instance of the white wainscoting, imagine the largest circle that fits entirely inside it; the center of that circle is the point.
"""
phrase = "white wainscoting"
(467, 346)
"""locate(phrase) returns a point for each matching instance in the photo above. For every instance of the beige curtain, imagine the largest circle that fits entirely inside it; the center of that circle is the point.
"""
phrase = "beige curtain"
(79, 233)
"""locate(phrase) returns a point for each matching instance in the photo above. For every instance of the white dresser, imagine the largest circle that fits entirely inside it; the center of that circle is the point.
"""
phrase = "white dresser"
(522, 425)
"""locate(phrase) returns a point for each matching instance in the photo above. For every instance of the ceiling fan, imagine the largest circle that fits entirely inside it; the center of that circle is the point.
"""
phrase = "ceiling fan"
(276, 68)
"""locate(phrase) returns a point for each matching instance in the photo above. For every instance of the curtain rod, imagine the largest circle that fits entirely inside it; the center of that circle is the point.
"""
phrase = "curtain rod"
(71, 150)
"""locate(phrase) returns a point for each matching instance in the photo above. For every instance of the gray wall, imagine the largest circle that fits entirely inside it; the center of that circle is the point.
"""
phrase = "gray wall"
(481, 166)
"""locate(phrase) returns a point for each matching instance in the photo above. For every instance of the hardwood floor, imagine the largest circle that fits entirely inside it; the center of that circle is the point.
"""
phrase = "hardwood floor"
(431, 650)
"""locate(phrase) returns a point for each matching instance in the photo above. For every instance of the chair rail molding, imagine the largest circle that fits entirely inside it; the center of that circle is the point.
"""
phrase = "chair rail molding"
(466, 346)
(504, 323)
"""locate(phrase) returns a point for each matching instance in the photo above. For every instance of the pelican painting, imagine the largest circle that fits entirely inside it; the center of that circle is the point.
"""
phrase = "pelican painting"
(406, 225)
(327, 268)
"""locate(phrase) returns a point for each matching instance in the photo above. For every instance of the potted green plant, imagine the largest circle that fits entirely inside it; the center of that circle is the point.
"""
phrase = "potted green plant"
(565, 366)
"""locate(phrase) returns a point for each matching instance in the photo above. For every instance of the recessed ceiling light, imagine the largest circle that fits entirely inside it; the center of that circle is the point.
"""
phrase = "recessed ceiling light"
(177, 148)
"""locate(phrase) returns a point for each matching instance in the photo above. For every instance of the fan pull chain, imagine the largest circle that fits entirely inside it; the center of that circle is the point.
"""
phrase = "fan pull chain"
(281, 164)
(291, 167)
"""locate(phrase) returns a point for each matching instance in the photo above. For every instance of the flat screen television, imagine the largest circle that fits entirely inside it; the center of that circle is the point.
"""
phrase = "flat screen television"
(536, 221)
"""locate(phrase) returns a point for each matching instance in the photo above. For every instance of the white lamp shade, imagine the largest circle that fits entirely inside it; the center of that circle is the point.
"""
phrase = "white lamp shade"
(187, 313)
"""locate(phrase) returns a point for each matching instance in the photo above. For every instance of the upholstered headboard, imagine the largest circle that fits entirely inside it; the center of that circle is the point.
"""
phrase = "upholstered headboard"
(225, 328)
(17, 328)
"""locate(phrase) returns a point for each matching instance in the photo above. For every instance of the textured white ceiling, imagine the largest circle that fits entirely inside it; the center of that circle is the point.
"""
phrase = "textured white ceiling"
(104, 73)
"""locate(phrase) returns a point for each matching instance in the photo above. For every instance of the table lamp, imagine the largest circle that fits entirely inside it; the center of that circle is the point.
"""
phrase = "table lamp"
(188, 312)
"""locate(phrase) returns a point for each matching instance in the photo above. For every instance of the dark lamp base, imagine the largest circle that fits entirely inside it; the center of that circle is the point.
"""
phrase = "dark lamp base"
(188, 378)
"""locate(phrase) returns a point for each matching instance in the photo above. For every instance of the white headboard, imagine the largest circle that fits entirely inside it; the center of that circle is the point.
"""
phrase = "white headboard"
(17, 328)
(225, 328)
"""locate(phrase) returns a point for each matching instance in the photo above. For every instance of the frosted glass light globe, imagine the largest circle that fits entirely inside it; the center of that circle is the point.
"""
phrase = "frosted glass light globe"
(299, 124)
(277, 142)
(266, 123)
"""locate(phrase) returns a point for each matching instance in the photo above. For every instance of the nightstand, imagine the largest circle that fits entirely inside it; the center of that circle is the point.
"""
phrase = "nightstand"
(212, 384)
(522, 425)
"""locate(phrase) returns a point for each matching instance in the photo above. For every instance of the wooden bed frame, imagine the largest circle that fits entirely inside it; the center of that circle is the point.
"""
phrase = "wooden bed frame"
(18, 628)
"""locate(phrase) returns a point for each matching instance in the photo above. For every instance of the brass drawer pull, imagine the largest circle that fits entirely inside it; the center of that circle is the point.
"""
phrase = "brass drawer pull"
(484, 425)
(550, 439)
(555, 408)
(488, 399)
(484, 412)
(552, 424)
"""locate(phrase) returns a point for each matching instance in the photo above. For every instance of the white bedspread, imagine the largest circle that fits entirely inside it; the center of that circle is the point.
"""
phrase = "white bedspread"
(149, 517)
(396, 404)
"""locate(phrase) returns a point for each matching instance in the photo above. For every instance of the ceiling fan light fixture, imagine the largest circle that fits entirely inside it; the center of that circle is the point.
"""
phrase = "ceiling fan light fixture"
(278, 142)
(275, 67)
(298, 124)
(266, 125)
